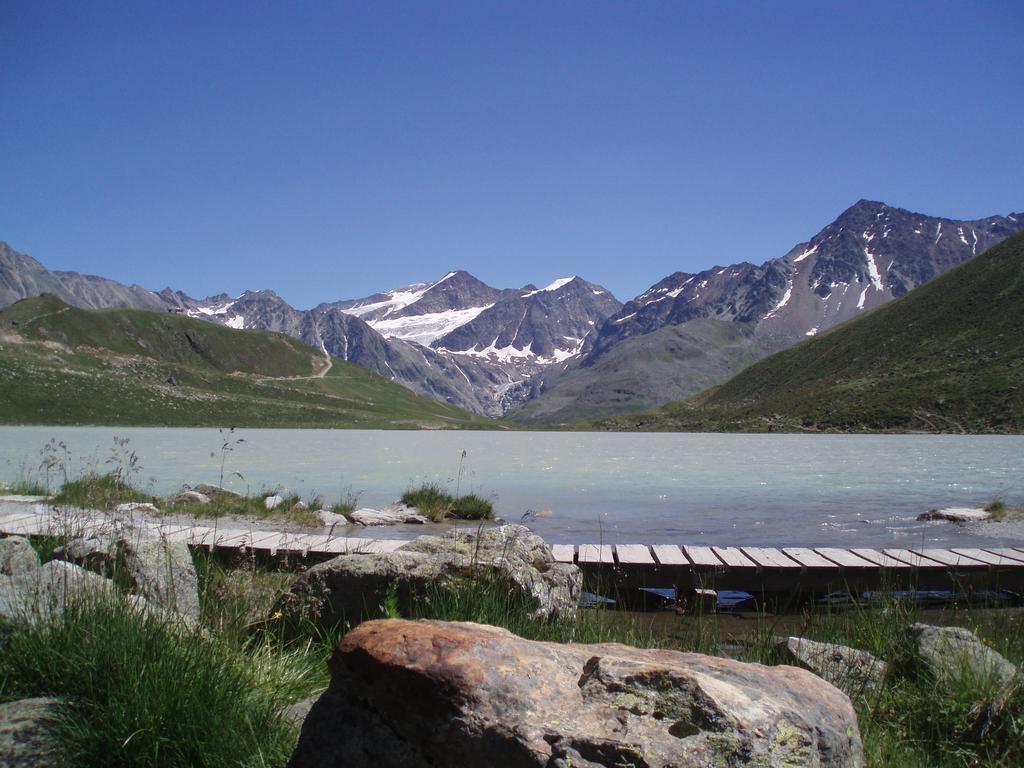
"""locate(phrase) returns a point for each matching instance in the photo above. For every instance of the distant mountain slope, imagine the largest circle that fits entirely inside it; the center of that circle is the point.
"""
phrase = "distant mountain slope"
(866, 257)
(64, 365)
(947, 357)
(22, 276)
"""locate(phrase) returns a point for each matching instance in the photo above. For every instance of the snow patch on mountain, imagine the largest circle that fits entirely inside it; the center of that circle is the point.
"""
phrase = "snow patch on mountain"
(876, 278)
(553, 287)
(237, 322)
(783, 301)
(492, 352)
(805, 254)
(425, 329)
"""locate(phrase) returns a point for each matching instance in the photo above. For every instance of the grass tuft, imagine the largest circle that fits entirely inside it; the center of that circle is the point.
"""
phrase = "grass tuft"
(146, 692)
(94, 491)
(437, 505)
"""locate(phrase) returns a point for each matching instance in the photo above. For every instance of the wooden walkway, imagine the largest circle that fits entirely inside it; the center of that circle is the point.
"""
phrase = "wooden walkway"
(817, 569)
(36, 519)
(622, 566)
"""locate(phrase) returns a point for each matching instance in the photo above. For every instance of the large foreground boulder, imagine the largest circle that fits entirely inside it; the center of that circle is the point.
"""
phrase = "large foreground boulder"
(27, 733)
(352, 586)
(427, 693)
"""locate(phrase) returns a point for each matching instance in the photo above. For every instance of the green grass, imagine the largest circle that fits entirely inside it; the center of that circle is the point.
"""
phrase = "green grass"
(25, 488)
(471, 507)
(999, 510)
(93, 491)
(437, 505)
(246, 507)
(150, 693)
(63, 365)
(947, 357)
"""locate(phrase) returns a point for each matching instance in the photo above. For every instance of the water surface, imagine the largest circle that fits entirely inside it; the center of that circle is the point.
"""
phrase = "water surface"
(747, 490)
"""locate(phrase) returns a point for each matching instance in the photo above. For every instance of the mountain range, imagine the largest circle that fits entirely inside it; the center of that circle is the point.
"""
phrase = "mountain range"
(571, 350)
(947, 357)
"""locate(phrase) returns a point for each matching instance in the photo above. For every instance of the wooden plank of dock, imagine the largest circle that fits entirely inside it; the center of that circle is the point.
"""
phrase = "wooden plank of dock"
(669, 555)
(950, 559)
(982, 556)
(702, 557)
(633, 554)
(1010, 556)
(880, 559)
(914, 559)
(808, 558)
(563, 553)
(768, 557)
(733, 557)
(595, 553)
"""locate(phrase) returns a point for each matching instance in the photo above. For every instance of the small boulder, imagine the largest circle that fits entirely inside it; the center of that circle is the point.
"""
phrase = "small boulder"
(273, 502)
(17, 556)
(149, 566)
(47, 591)
(27, 737)
(429, 693)
(953, 651)
(351, 586)
(137, 508)
(189, 497)
(956, 515)
(162, 572)
(848, 669)
(214, 490)
(394, 515)
(330, 519)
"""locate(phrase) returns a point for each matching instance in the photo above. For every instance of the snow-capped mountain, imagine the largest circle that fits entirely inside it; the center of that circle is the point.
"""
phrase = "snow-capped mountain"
(570, 349)
(866, 257)
(454, 339)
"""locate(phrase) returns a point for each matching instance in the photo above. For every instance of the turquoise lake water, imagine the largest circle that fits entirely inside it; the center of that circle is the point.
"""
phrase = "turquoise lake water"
(748, 490)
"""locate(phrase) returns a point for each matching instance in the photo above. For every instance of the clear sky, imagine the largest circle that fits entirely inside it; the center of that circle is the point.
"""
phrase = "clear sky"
(331, 150)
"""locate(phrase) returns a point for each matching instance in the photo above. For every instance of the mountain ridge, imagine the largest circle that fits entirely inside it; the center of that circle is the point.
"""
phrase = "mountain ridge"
(869, 255)
(946, 357)
(571, 350)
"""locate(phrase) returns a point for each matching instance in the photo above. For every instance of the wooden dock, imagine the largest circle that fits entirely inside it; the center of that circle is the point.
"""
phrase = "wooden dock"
(618, 568)
(817, 570)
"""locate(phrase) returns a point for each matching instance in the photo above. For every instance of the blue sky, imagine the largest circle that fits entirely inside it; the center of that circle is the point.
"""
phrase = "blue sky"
(331, 150)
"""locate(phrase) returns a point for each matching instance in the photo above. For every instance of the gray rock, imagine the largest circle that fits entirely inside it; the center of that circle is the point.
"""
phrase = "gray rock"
(273, 502)
(955, 515)
(297, 713)
(428, 693)
(350, 586)
(189, 497)
(137, 508)
(850, 670)
(48, 590)
(160, 571)
(330, 519)
(17, 556)
(214, 490)
(26, 733)
(395, 515)
(955, 651)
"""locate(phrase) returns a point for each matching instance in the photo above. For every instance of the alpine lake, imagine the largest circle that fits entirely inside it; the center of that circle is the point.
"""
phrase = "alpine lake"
(573, 487)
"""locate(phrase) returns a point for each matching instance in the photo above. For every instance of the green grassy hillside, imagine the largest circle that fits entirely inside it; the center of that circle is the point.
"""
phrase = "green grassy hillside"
(62, 365)
(948, 357)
